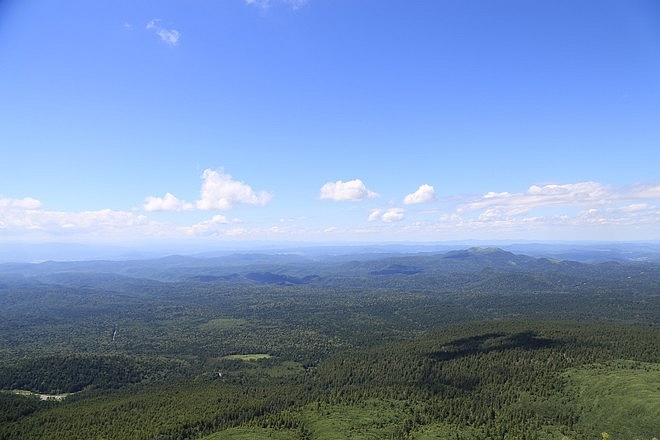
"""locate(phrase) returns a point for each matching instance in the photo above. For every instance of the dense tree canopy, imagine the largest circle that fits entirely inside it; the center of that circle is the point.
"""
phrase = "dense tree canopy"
(444, 346)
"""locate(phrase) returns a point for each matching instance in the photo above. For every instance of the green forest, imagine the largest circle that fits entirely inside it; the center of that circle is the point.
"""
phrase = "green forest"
(469, 344)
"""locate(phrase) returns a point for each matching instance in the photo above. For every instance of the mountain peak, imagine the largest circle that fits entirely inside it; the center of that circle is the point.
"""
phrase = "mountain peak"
(476, 251)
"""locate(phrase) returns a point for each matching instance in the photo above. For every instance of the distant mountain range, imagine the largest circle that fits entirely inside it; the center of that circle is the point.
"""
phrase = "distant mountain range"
(586, 252)
(481, 265)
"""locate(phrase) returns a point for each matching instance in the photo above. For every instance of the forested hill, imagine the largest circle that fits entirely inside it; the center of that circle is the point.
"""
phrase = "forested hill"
(477, 343)
(297, 269)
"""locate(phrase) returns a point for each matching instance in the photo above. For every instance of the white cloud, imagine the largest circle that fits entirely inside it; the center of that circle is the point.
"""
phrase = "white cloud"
(583, 210)
(425, 193)
(167, 203)
(25, 203)
(375, 214)
(647, 191)
(169, 36)
(207, 227)
(393, 215)
(390, 215)
(591, 195)
(353, 190)
(221, 191)
(27, 217)
(574, 194)
(258, 3)
(237, 232)
(636, 207)
(580, 211)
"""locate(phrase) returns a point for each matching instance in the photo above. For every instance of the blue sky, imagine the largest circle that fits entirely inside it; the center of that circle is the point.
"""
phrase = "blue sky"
(329, 121)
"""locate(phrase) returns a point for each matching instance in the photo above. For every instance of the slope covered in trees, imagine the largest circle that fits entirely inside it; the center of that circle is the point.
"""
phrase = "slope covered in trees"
(476, 343)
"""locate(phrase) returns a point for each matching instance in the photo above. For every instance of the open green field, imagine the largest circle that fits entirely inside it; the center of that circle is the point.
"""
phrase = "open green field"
(249, 357)
(621, 398)
(253, 434)
(370, 419)
(375, 419)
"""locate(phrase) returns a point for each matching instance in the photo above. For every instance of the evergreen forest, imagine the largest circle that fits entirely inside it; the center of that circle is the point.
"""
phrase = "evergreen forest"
(475, 343)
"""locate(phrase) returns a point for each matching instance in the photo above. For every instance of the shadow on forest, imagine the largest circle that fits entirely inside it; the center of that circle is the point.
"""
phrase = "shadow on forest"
(490, 342)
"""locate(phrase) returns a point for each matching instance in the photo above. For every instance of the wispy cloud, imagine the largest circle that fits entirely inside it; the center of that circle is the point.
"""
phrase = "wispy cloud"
(351, 191)
(27, 216)
(25, 203)
(424, 194)
(220, 228)
(219, 191)
(169, 36)
(582, 206)
(207, 227)
(265, 4)
(643, 191)
(581, 194)
(572, 194)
